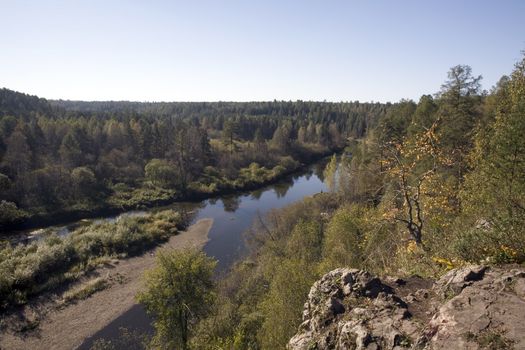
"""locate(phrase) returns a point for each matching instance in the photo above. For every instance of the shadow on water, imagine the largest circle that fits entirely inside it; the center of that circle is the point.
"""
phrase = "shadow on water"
(232, 215)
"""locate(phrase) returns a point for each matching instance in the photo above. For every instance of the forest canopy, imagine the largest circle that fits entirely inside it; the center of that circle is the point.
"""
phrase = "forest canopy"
(434, 185)
(67, 156)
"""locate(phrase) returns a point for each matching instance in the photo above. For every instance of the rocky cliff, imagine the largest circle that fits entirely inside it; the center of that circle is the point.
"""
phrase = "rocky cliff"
(474, 307)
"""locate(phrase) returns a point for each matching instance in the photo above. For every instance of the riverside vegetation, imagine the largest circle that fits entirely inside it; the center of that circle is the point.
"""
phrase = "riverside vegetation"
(66, 159)
(27, 270)
(435, 185)
(429, 186)
(63, 159)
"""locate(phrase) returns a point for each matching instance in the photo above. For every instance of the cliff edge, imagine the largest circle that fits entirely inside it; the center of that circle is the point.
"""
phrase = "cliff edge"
(474, 307)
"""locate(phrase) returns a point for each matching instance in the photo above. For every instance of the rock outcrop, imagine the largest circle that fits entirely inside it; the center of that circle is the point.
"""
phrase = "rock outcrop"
(469, 308)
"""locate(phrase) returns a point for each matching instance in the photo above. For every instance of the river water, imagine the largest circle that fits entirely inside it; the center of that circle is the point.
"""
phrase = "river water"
(233, 215)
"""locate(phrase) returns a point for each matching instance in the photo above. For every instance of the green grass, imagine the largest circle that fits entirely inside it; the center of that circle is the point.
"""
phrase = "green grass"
(126, 197)
(490, 339)
(86, 290)
(44, 265)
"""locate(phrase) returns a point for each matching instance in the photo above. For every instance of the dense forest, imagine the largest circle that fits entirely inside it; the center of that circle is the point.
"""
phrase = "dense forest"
(60, 157)
(436, 184)
(262, 175)
(422, 187)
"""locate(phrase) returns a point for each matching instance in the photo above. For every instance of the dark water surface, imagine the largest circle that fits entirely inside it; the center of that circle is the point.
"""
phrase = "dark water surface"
(233, 216)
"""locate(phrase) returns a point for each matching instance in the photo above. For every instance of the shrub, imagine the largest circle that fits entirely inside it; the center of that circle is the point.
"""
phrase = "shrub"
(9, 212)
(86, 290)
(496, 244)
(289, 163)
(278, 170)
(161, 173)
(26, 270)
(343, 239)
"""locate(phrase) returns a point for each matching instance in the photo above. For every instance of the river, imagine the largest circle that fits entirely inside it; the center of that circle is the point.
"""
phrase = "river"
(233, 215)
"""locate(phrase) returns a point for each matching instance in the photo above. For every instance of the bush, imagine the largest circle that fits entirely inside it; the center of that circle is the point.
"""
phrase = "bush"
(254, 174)
(263, 295)
(161, 173)
(343, 239)
(278, 170)
(10, 213)
(493, 243)
(179, 290)
(26, 270)
(85, 291)
(289, 163)
(125, 197)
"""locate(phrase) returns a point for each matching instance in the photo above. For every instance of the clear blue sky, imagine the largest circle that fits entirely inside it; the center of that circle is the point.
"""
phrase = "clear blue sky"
(253, 50)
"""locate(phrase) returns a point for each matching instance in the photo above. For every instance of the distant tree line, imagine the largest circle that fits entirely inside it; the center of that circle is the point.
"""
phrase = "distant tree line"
(436, 184)
(68, 155)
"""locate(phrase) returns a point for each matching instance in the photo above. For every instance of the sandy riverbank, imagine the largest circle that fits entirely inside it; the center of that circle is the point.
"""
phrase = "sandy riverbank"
(67, 327)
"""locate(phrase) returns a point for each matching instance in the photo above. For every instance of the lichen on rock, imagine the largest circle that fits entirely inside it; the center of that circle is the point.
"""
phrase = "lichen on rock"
(468, 308)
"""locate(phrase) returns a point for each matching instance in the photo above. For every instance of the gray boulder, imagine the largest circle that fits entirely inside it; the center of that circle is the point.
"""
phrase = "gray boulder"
(468, 308)
(351, 309)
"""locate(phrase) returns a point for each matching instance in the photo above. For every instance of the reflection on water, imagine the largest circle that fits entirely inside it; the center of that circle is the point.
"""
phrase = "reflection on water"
(240, 208)
(232, 215)
(318, 170)
(231, 203)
